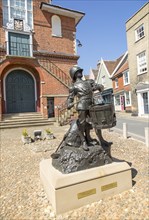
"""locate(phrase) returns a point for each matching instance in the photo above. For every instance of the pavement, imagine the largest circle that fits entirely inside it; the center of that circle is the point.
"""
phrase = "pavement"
(22, 195)
(135, 125)
(129, 115)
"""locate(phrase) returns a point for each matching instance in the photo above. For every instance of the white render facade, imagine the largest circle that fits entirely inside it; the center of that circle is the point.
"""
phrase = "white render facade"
(104, 76)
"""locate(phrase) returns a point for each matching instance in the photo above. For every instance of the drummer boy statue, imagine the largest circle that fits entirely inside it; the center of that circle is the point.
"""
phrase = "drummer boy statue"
(83, 90)
(78, 150)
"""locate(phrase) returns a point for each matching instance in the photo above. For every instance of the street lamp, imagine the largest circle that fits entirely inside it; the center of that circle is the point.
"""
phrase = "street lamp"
(78, 43)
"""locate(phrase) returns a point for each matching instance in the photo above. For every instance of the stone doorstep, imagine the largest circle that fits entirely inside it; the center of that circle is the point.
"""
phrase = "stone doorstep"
(6, 126)
(21, 121)
(70, 191)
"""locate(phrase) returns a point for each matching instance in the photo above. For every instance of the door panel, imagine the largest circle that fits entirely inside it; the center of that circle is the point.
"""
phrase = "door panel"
(20, 92)
(50, 102)
(122, 98)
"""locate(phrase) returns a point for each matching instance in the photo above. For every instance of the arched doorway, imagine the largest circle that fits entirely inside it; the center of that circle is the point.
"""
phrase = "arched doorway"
(20, 92)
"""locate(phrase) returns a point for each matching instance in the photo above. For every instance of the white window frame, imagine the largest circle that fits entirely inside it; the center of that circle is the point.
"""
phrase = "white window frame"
(103, 79)
(56, 26)
(117, 100)
(25, 9)
(140, 100)
(116, 83)
(142, 63)
(139, 33)
(129, 94)
(124, 77)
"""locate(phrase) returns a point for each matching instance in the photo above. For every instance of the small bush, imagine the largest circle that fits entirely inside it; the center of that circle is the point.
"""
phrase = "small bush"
(24, 132)
(48, 131)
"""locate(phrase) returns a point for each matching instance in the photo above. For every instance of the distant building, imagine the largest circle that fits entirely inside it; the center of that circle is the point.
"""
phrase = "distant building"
(137, 30)
(37, 49)
(105, 70)
(93, 74)
(122, 86)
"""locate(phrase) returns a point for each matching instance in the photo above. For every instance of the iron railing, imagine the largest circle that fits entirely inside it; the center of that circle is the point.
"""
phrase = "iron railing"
(55, 71)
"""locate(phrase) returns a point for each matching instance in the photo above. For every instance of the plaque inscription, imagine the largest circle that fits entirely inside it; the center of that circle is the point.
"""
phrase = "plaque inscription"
(86, 193)
(109, 186)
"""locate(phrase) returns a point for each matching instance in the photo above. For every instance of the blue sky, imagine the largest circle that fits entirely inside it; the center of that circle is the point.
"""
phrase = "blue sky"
(102, 31)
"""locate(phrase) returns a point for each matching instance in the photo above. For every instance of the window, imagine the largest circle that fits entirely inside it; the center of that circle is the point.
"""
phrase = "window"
(127, 98)
(142, 64)
(117, 100)
(116, 83)
(56, 26)
(18, 9)
(103, 80)
(139, 32)
(19, 44)
(126, 77)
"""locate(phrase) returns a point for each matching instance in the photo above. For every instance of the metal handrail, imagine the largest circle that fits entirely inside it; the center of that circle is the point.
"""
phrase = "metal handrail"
(55, 71)
(62, 108)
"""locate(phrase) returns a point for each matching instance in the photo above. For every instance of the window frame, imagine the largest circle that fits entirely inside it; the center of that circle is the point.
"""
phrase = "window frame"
(117, 100)
(137, 37)
(116, 83)
(30, 46)
(56, 26)
(103, 80)
(129, 94)
(139, 63)
(124, 78)
(26, 10)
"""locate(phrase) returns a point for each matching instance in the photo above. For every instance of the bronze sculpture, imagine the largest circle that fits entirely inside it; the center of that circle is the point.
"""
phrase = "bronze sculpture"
(78, 150)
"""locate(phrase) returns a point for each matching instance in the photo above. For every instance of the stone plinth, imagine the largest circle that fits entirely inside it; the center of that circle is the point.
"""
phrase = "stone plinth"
(71, 191)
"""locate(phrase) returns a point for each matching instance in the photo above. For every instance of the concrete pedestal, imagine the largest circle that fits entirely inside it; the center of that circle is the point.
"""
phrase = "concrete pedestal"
(71, 191)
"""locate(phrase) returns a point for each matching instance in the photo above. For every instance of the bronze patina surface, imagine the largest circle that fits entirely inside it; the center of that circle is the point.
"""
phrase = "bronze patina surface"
(78, 150)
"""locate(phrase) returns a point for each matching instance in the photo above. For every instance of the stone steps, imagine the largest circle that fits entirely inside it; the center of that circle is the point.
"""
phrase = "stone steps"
(25, 120)
(21, 116)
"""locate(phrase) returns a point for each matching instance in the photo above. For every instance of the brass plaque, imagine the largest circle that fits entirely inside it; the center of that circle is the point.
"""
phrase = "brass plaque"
(109, 186)
(86, 193)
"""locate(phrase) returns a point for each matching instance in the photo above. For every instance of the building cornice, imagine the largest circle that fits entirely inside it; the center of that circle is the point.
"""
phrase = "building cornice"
(77, 15)
(56, 55)
(137, 12)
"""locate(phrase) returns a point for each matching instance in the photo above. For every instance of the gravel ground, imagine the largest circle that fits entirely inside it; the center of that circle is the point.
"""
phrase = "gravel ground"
(22, 195)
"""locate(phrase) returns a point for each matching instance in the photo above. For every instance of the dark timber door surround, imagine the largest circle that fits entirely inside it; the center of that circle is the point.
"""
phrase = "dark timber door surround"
(20, 92)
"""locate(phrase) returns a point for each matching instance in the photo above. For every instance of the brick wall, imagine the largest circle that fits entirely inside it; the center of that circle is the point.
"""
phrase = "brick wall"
(43, 39)
(59, 50)
(121, 89)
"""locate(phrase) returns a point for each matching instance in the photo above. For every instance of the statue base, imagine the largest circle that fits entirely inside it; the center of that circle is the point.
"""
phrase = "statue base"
(70, 191)
(72, 159)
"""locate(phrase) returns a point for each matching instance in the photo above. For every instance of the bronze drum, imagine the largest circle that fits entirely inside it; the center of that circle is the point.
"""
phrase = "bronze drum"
(103, 116)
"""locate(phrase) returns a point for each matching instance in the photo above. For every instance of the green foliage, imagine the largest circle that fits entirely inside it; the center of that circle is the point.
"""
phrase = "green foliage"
(25, 133)
(48, 131)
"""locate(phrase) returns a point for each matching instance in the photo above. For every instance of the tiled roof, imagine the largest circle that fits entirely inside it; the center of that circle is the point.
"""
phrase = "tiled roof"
(122, 68)
(111, 65)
